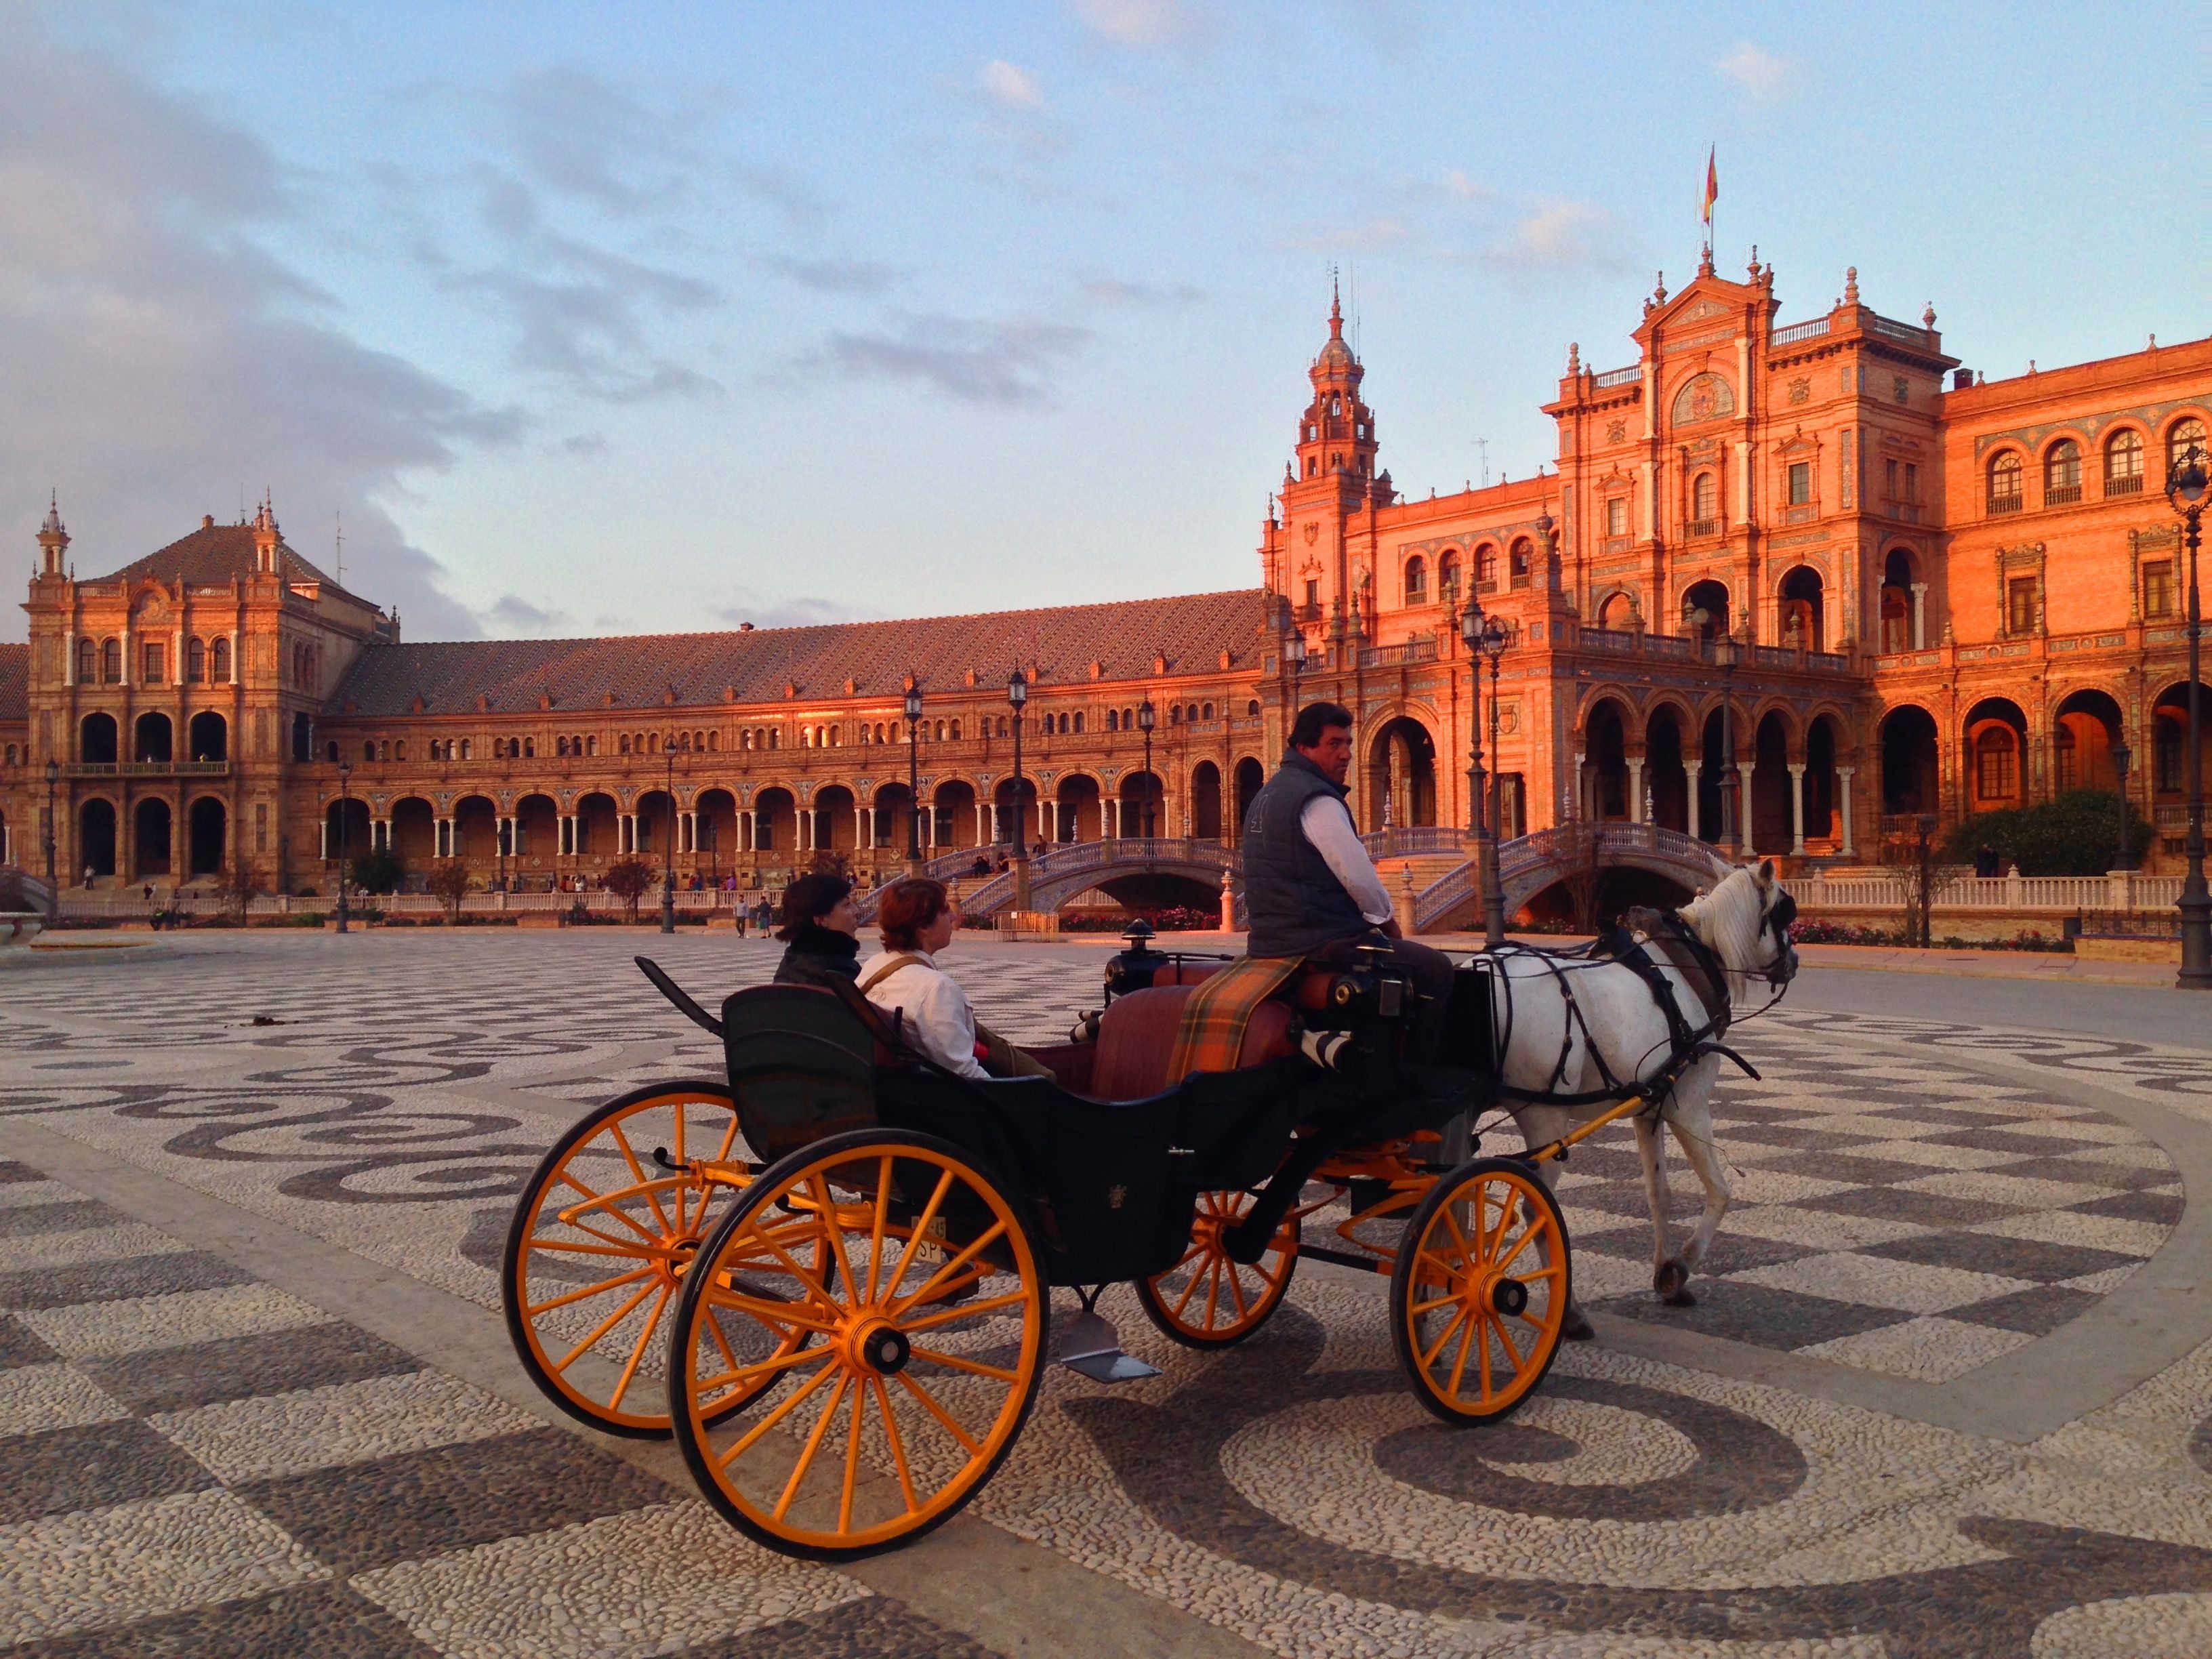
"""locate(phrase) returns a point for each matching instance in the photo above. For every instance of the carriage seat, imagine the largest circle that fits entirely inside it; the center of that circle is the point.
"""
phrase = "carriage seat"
(1137, 1034)
(1312, 988)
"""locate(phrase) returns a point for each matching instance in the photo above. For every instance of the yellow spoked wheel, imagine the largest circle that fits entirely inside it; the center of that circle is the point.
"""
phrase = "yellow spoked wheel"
(918, 1289)
(1207, 1300)
(601, 1238)
(1480, 1290)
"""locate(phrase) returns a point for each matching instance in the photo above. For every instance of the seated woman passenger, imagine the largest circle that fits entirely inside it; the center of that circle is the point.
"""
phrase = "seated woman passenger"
(820, 933)
(918, 919)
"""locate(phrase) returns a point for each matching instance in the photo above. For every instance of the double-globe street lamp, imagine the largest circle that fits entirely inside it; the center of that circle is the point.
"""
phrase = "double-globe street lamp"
(1147, 718)
(668, 853)
(1485, 638)
(2186, 487)
(345, 825)
(1018, 698)
(912, 775)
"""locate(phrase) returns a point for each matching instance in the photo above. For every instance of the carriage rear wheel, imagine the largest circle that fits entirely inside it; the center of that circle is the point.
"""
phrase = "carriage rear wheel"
(918, 1287)
(1208, 1301)
(1480, 1292)
(602, 1237)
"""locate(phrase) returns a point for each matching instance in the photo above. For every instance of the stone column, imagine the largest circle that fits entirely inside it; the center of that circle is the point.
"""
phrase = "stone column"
(983, 835)
(1693, 770)
(323, 840)
(864, 828)
(1843, 807)
(1749, 769)
(1797, 808)
(1636, 788)
(565, 835)
(628, 835)
(1920, 616)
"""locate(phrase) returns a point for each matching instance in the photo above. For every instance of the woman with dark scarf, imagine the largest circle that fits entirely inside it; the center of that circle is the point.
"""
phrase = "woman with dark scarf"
(820, 931)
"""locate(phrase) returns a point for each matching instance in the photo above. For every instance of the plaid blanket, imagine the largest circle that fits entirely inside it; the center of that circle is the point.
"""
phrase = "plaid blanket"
(1212, 1034)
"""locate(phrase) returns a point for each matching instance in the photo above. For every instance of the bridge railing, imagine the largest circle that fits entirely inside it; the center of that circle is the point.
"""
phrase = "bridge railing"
(1076, 858)
(1408, 840)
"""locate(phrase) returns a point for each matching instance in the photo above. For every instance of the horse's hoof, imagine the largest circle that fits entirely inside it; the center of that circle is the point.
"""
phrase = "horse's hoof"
(1576, 1327)
(1670, 1282)
(1680, 1299)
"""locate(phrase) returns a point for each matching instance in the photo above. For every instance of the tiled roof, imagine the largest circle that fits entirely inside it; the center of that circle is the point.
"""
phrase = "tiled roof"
(15, 682)
(214, 555)
(639, 670)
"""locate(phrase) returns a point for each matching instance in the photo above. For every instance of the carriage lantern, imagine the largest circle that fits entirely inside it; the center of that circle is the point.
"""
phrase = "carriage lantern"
(2186, 487)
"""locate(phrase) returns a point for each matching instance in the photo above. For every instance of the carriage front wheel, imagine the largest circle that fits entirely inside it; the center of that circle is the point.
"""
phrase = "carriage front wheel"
(1478, 1294)
(914, 1283)
(1209, 1300)
(603, 1234)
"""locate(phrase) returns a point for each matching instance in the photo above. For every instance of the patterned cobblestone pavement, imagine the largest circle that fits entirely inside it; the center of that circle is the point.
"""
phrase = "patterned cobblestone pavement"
(1948, 1390)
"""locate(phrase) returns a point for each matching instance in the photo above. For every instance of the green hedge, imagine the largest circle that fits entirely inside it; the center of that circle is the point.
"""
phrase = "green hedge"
(2078, 834)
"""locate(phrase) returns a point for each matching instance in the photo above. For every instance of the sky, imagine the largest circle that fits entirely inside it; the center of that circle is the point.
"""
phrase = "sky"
(650, 318)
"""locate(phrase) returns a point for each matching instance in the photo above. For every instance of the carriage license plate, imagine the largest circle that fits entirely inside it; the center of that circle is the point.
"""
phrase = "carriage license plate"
(929, 1247)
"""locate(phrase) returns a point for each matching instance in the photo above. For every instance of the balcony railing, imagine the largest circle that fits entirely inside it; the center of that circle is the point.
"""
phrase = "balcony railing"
(1999, 504)
(1797, 332)
(1897, 330)
(2062, 495)
(1700, 528)
(148, 768)
(1307, 613)
(1627, 376)
(2130, 485)
(1390, 656)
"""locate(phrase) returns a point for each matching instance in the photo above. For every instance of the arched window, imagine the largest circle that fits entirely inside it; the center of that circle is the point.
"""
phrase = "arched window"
(1523, 549)
(1209, 711)
(88, 662)
(2180, 438)
(774, 739)
(591, 745)
(1175, 713)
(956, 730)
(369, 752)
(220, 674)
(1113, 720)
(713, 742)
(623, 743)
(195, 661)
(1705, 503)
(399, 750)
(1448, 578)
(2124, 463)
(111, 661)
(2004, 483)
(1252, 710)
(1417, 581)
(1997, 764)
(1079, 719)
(468, 748)
(560, 748)
(940, 731)
(2061, 473)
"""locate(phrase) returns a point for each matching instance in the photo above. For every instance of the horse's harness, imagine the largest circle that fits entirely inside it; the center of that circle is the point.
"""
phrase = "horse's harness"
(1699, 965)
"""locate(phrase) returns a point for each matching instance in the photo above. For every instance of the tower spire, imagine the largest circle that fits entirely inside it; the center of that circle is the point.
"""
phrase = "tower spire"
(1335, 307)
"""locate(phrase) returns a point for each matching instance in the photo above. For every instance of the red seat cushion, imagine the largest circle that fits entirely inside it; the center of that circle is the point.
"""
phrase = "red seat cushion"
(1137, 1034)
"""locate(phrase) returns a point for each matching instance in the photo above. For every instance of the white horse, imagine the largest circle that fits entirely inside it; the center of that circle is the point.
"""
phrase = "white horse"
(1744, 921)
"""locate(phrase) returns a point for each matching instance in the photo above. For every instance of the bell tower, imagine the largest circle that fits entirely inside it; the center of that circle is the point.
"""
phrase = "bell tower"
(53, 540)
(1335, 454)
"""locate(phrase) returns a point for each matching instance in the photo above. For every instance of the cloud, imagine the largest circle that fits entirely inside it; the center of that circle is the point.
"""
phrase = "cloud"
(978, 362)
(155, 356)
(833, 276)
(1139, 22)
(777, 611)
(1761, 74)
(584, 446)
(1561, 236)
(1383, 231)
(513, 614)
(1003, 84)
(1154, 296)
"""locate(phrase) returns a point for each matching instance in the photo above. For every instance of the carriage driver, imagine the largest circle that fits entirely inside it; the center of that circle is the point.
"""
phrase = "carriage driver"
(1310, 890)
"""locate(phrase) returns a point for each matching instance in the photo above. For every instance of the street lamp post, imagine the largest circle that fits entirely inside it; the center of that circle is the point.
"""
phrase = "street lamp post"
(1725, 654)
(1018, 698)
(345, 824)
(1147, 717)
(2185, 484)
(1470, 631)
(913, 776)
(668, 853)
(2121, 756)
(53, 887)
(1494, 642)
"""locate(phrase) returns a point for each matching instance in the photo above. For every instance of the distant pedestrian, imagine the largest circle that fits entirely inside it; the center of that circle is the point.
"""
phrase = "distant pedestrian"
(1985, 862)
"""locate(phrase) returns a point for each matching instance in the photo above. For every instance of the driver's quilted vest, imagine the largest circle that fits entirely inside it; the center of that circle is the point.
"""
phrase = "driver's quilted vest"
(1292, 899)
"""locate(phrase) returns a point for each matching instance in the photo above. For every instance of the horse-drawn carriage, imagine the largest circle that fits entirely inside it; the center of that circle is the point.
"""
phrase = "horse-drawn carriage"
(829, 1273)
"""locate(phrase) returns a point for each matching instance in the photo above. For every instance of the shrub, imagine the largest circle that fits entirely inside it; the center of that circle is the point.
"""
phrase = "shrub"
(2077, 834)
(628, 881)
(377, 871)
(449, 885)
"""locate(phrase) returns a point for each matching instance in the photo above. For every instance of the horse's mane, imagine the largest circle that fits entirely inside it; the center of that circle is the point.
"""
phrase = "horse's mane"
(1728, 918)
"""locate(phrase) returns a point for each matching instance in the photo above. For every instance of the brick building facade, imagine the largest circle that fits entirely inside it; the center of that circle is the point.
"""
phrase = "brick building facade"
(1950, 594)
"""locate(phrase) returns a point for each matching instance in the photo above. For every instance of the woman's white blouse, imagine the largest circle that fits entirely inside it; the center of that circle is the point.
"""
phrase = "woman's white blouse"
(937, 1018)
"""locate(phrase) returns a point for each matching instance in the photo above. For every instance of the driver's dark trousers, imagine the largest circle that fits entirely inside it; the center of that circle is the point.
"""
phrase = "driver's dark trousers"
(1430, 970)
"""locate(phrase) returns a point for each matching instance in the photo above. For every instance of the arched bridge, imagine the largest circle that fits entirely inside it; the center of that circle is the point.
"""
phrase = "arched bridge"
(1527, 865)
(1061, 871)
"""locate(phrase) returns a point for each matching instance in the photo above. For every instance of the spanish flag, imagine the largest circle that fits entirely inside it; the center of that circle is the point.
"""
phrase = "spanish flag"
(1712, 185)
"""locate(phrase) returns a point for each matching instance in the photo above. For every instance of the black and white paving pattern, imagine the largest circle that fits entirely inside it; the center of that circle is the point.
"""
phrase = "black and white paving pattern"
(1948, 1389)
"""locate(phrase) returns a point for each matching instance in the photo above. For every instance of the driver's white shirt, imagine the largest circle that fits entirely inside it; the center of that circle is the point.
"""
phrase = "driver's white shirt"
(1326, 824)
